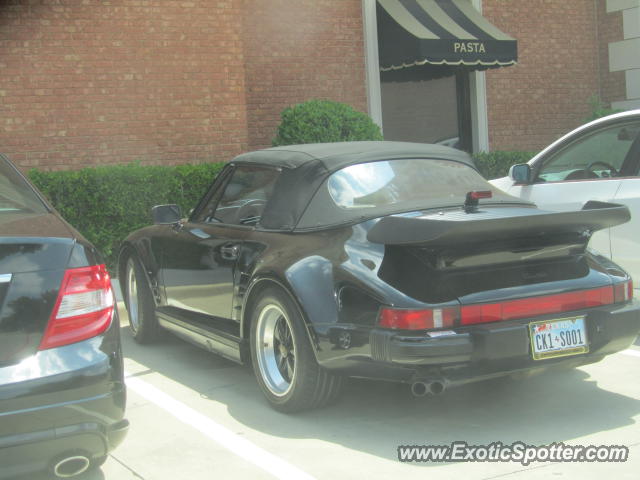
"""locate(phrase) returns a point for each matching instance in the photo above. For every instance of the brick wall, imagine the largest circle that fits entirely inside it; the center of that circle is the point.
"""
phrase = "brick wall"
(547, 93)
(92, 82)
(299, 50)
(89, 82)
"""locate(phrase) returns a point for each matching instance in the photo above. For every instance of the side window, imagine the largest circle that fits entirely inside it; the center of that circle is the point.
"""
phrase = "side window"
(244, 197)
(601, 154)
(205, 213)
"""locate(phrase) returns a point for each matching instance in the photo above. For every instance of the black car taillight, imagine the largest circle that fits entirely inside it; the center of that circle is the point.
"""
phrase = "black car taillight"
(84, 307)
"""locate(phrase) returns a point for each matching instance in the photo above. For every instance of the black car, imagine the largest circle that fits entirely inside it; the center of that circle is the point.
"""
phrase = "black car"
(383, 260)
(62, 391)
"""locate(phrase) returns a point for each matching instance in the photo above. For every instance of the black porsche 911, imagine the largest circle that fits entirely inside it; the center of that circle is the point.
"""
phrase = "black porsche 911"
(62, 391)
(384, 260)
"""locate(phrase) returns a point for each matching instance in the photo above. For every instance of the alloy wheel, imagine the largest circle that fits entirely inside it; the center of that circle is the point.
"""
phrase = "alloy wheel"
(275, 348)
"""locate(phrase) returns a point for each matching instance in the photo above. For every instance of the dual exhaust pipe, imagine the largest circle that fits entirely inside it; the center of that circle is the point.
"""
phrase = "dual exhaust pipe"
(420, 388)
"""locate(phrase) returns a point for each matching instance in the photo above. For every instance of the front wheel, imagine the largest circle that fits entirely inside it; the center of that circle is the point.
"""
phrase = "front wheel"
(283, 361)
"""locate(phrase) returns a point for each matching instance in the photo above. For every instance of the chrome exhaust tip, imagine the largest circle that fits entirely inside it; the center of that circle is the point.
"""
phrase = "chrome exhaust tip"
(419, 389)
(71, 466)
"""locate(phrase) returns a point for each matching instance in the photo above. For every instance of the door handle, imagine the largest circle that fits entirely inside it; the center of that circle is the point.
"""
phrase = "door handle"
(229, 252)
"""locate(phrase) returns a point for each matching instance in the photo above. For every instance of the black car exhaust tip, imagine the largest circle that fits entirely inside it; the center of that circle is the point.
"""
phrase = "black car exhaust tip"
(420, 388)
(71, 466)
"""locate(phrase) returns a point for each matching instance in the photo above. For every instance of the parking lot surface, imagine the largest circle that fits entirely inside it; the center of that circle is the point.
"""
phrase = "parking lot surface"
(197, 416)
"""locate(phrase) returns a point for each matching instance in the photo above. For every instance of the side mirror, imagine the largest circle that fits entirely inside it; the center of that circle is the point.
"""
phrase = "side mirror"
(166, 214)
(520, 173)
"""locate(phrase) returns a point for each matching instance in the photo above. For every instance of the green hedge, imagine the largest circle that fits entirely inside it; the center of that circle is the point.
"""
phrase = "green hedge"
(107, 203)
(496, 164)
(324, 121)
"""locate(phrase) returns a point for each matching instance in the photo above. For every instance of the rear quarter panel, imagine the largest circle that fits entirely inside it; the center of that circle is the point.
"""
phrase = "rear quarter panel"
(331, 274)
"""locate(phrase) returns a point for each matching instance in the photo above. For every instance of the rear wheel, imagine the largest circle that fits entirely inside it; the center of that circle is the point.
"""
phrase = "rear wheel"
(283, 361)
(140, 304)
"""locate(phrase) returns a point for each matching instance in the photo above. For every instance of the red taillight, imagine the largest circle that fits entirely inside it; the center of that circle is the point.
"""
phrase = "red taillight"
(418, 319)
(84, 307)
(509, 310)
(545, 305)
(623, 292)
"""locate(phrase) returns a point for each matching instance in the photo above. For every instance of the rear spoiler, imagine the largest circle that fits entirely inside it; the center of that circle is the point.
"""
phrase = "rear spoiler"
(459, 227)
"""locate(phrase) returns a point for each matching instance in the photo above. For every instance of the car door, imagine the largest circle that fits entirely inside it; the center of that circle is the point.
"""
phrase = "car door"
(199, 259)
(588, 166)
(625, 238)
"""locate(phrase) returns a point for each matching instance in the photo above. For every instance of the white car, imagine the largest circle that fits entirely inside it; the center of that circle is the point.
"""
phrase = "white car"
(597, 161)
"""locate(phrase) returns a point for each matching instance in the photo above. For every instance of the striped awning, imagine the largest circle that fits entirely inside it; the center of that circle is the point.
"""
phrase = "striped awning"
(439, 32)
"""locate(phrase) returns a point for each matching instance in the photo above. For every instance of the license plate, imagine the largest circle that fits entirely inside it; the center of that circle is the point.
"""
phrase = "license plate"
(558, 338)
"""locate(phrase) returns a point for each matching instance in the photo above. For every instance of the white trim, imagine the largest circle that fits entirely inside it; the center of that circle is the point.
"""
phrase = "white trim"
(477, 4)
(626, 104)
(617, 5)
(631, 23)
(632, 77)
(372, 64)
(449, 62)
(5, 278)
(479, 117)
(623, 55)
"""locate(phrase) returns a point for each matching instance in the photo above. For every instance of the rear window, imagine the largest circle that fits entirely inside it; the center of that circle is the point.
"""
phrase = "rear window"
(378, 184)
(15, 194)
(393, 186)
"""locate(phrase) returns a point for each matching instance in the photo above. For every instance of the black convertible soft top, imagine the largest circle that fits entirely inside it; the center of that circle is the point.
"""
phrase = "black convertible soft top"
(334, 156)
(305, 167)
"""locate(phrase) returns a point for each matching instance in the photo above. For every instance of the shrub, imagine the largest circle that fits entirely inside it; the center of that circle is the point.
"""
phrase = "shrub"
(496, 164)
(107, 203)
(319, 121)
(598, 109)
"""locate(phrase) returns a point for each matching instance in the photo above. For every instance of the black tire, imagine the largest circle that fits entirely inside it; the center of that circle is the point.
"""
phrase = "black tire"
(139, 301)
(284, 365)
